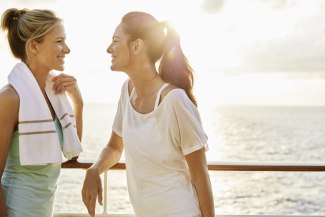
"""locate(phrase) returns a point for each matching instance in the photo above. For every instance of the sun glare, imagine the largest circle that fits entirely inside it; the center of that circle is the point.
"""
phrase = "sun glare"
(227, 43)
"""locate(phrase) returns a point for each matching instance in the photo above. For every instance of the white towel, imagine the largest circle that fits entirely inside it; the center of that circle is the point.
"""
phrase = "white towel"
(38, 139)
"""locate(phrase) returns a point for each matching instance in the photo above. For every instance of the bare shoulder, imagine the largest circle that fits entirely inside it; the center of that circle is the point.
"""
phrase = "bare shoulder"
(9, 99)
(9, 109)
(8, 93)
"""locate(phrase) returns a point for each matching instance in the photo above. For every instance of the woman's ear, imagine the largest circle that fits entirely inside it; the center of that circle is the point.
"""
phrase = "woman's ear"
(32, 47)
(137, 46)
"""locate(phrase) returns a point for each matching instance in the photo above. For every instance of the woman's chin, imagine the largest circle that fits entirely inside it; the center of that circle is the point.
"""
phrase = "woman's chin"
(113, 68)
(59, 68)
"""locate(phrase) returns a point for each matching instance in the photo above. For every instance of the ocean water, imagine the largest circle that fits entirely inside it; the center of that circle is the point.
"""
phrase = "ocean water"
(236, 133)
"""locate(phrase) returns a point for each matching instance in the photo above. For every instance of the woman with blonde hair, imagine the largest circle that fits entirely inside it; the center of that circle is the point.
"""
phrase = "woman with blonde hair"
(36, 120)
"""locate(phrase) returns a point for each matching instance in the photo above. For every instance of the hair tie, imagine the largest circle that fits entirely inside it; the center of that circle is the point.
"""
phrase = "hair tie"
(18, 14)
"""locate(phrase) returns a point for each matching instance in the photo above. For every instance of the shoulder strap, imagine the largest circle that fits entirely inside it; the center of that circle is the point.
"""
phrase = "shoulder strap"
(158, 94)
(132, 93)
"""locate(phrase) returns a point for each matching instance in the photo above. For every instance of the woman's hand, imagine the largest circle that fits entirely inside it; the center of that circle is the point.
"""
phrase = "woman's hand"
(92, 188)
(67, 83)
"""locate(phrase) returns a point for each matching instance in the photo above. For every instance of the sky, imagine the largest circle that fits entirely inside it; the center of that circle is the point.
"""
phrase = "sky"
(247, 52)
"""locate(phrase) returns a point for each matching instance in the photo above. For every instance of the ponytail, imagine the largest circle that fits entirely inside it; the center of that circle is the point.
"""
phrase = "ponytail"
(174, 67)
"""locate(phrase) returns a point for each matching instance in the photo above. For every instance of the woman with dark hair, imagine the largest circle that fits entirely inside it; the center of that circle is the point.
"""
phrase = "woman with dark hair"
(36, 120)
(157, 124)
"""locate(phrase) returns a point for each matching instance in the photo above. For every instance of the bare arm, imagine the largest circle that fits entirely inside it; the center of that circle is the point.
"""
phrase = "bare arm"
(9, 106)
(200, 179)
(78, 112)
(92, 187)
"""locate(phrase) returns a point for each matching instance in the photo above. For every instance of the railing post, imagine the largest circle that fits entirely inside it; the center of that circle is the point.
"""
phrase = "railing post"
(105, 193)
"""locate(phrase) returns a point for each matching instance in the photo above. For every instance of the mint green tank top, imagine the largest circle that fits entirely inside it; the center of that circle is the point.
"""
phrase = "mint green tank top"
(29, 190)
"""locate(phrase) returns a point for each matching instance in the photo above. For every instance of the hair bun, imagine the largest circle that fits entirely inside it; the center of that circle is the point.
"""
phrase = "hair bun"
(19, 13)
(10, 16)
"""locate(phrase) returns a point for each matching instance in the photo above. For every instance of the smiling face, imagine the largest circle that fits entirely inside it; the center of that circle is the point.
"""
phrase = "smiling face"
(52, 50)
(119, 50)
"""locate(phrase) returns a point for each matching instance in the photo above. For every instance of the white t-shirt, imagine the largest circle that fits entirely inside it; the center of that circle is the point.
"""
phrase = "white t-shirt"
(155, 144)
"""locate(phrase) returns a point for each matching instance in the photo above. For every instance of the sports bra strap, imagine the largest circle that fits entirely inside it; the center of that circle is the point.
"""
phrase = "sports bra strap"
(132, 93)
(157, 97)
(158, 94)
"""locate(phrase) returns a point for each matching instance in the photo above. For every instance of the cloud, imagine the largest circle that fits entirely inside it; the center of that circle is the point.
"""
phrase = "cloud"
(266, 36)
(304, 50)
(212, 6)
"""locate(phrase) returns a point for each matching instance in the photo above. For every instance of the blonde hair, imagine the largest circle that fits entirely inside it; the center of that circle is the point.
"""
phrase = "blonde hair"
(25, 25)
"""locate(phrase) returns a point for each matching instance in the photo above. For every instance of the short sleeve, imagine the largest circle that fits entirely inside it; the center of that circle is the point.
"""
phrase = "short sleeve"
(118, 120)
(188, 131)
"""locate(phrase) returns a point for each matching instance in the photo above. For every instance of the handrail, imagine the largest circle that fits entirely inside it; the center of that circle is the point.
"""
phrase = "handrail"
(226, 166)
(212, 166)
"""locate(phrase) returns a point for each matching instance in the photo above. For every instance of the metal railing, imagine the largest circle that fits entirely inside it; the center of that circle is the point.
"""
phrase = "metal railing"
(227, 166)
(212, 166)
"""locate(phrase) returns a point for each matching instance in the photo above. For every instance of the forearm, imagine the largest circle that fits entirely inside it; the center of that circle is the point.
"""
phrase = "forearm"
(3, 211)
(78, 113)
(205, 195)
(107, 158)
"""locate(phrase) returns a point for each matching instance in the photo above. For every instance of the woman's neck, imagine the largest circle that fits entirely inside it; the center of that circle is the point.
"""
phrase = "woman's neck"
(146, 81)
(39, 74)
